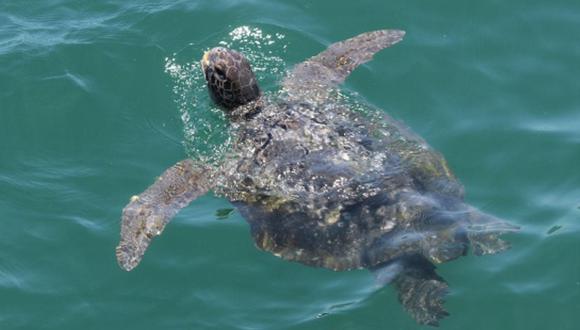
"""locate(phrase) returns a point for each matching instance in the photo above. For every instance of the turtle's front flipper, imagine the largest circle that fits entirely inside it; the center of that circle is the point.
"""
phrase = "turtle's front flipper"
(420, 289)
(332, 66)
(147, 214)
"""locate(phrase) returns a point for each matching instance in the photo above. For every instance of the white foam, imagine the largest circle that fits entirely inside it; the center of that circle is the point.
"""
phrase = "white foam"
(206, 130)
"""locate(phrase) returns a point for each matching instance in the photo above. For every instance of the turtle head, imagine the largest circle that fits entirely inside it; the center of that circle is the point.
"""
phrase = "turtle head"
(229, 77)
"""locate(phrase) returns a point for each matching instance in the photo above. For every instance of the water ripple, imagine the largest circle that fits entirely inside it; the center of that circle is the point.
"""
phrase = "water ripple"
(43, 33)
(494, 82)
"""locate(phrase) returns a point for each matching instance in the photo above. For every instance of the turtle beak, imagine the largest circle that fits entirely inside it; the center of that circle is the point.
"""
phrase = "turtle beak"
(205, 60)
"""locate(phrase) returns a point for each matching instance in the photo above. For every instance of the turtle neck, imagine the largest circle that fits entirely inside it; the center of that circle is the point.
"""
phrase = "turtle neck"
(247, 111)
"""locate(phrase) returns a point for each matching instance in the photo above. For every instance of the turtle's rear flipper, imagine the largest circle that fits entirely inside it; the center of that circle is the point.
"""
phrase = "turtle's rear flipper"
(147, 215)
(484, 230)
(420, 289)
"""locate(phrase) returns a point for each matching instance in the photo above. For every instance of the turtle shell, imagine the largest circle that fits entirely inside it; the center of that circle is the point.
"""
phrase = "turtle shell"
(331, 187)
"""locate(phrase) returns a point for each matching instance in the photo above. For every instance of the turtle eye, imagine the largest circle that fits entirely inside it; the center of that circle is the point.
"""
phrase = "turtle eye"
(220, 73)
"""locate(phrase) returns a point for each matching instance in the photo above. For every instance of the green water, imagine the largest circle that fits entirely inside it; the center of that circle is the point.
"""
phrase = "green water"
(90, 115)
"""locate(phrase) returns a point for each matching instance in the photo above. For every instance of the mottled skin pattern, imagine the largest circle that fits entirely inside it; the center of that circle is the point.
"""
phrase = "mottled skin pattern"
(312, 78)
(230, 80)
(324, 185)
(147, 214)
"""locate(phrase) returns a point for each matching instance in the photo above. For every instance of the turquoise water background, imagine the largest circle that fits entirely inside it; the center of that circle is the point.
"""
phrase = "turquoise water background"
(96, 100)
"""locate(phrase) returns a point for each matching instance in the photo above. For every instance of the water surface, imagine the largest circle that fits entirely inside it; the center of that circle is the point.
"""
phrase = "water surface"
(96, 100)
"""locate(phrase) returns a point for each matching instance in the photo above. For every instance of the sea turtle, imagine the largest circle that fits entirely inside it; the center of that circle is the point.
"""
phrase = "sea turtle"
(322, 184)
